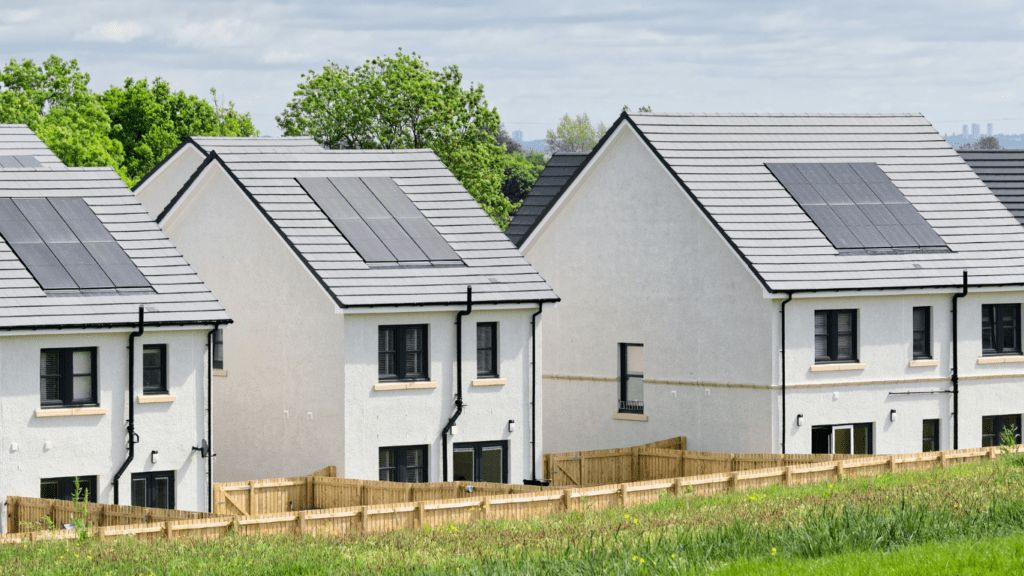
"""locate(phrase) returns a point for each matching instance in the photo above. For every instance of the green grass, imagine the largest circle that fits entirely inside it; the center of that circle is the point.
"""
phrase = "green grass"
(889, 520)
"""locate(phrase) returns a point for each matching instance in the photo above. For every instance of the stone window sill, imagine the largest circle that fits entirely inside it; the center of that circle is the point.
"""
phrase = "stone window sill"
(838, 367)
(627, 416)
(84, 411)
(219, 372)
(488, 382)
(383, 386)
(156, 398)
(1000, 359)
(923, 362)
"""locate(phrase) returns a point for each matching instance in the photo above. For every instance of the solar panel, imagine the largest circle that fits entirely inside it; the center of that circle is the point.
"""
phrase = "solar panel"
(411, 219)
(347, 220)
(856, 206)
(379, 219)
(28, 161)
(9, 162)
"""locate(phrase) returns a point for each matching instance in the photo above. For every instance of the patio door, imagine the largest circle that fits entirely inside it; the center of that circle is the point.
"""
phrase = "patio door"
(842, 440)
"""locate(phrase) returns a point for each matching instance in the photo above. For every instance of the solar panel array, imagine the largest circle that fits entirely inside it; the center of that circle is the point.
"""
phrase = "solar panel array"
(19, 162)
(857, 207)
(65, 246)
(380, 222)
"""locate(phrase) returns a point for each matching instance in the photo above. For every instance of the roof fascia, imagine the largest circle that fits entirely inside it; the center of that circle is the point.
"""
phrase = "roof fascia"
(43, 330)
(167, 159)
(172, 206)
(449, 307)
(889, 292)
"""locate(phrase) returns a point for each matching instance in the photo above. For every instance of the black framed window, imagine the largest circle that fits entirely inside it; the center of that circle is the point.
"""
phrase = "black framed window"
(843, 439)
(480, 461)
(403, 464)
(64, 488)
(992, 429)
(930, 436)
(487, 349)
(67, 377)
(835, 336)
(402, 352)
(218, 349)
(154, 369)
(922, 332)
(1000, 329)
(153, 489)
(631, 378)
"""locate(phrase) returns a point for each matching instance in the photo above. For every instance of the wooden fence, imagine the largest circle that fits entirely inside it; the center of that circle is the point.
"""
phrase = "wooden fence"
(389, 517)
(27, 514)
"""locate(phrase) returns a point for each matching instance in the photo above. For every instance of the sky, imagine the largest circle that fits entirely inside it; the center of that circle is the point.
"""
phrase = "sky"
(956, 62)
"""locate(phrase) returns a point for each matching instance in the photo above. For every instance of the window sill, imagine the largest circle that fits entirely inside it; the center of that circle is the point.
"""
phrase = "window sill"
(84, 411)
(383, 386)
(923, 362)
(628, 416)
(838, 367)
(219, 372)
(156, 398)
(488, 382)
(1000, 359)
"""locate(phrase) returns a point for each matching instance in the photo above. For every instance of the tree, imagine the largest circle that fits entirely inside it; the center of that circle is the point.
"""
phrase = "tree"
(521, 174)
(396, 102)
(574, 135)
(625, 108)
(984, 143)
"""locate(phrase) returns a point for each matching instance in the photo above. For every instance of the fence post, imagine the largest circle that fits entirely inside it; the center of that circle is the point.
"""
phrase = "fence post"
(622, 495)
(733, 479)
(364, 519)
(992, 453)
(420, 515)
(566, 498)
(840, 469)
(789, 476)
(168, 529)
(252, 499)
(892, 463)
(485, 507)
(677, 487)
(943, 462)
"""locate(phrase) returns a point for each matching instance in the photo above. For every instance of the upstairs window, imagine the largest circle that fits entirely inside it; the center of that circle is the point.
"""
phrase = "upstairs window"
(487, 350)
(67, 377)
(922, 332)
(835, 336)
(154, 369)
(218, 349)
(402, 352)
(1000, 329)
(631, 378)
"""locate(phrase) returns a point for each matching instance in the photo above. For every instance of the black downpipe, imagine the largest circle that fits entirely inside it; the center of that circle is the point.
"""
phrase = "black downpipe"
(133, 438)
(783, 371)
(209, 418)
(956, 370)
(533, 393)
(458, 382)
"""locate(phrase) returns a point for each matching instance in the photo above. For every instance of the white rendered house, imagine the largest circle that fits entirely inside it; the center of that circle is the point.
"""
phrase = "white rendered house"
(775, 283)
(347, 274)
(104, 340)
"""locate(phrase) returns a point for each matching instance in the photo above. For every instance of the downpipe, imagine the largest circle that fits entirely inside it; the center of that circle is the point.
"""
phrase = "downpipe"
(133, 438)
(458, 382)
(533, 396)
(956, 368)
(783, 370)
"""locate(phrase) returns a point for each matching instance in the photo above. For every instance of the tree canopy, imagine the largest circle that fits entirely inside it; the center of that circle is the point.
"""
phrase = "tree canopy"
(398, 101)
(574, 135)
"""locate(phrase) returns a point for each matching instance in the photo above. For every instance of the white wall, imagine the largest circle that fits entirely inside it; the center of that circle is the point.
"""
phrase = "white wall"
(158, 190)
(96, 445)
(634, 260)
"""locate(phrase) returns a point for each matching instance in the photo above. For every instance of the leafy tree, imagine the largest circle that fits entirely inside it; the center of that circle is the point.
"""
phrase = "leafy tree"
(625, 108)
(521, 174)
(396, 102)
(574, 135)
(989, 143)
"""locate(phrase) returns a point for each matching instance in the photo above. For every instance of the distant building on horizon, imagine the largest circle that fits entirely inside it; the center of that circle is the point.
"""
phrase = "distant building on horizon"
(975, 131)
(517, 135)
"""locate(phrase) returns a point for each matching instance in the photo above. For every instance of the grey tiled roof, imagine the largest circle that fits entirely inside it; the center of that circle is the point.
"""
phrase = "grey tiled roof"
(721, 160)
(268, 167)
(1003, 172)
(178, 295)
(18, 140)
(558, 172)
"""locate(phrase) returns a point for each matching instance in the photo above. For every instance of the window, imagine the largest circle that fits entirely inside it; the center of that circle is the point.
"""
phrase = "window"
(631, 378)
(402, 352)
(480, 462)
(403, 464)
(64, 488)
(930, 436)
(922, 332)
(1000, 329)
(842, 439)
(487, 349)
(835, 336)
(154, 369)
(218, 349)
(153, 490)
(67, 377)
(992, 429)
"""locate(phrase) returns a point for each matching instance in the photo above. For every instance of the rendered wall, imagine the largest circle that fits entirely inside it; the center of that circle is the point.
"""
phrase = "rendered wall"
(634, 260)
(157, 191)
(96, 445)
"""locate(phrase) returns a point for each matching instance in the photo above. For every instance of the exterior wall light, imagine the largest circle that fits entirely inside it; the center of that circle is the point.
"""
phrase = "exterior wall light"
(511, 425)
(892, 415)
(799, 419)
(455, 429)
(153, 456)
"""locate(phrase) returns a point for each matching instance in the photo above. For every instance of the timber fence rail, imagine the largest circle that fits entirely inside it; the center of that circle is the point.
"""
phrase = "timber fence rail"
(27, 514)
(388, 517)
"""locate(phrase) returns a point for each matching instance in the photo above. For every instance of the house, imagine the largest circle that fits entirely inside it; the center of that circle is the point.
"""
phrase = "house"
(777, 283)
(1003, 172)
(383, 323)
(104, 341)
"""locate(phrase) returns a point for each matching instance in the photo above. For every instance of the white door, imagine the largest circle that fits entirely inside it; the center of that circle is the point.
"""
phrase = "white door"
(842, 440)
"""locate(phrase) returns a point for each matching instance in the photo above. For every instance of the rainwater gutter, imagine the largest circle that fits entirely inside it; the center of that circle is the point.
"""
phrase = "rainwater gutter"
(458, 382)
(133, 438)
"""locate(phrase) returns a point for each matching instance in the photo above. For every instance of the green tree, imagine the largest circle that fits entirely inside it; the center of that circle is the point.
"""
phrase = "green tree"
(396, 102)
(574, 135)
(521, 174)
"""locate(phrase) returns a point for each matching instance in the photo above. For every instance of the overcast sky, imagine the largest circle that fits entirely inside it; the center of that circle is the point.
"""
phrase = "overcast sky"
(955, 61)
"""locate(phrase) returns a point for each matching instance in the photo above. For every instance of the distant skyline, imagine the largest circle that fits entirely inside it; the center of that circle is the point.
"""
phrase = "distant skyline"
(955, 62)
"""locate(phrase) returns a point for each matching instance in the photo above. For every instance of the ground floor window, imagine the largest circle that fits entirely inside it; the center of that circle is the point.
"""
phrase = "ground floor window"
(403, 464)
(930, 436)
(153, 489)
(842, 439)
(992, 429)
(64, 488)
(481, 461)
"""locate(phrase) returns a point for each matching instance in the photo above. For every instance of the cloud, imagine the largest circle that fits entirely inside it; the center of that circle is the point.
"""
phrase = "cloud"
(18, 16)
(118, 32)
(222, 32)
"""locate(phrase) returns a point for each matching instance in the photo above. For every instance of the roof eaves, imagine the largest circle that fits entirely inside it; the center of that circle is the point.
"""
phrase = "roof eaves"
(188, 140)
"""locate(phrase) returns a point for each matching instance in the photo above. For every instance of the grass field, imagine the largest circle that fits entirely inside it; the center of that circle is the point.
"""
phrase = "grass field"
(962, 520)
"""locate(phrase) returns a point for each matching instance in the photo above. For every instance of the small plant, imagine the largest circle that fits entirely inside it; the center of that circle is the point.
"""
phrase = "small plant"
(1008, 439)
(80, 498)
(45, 523)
